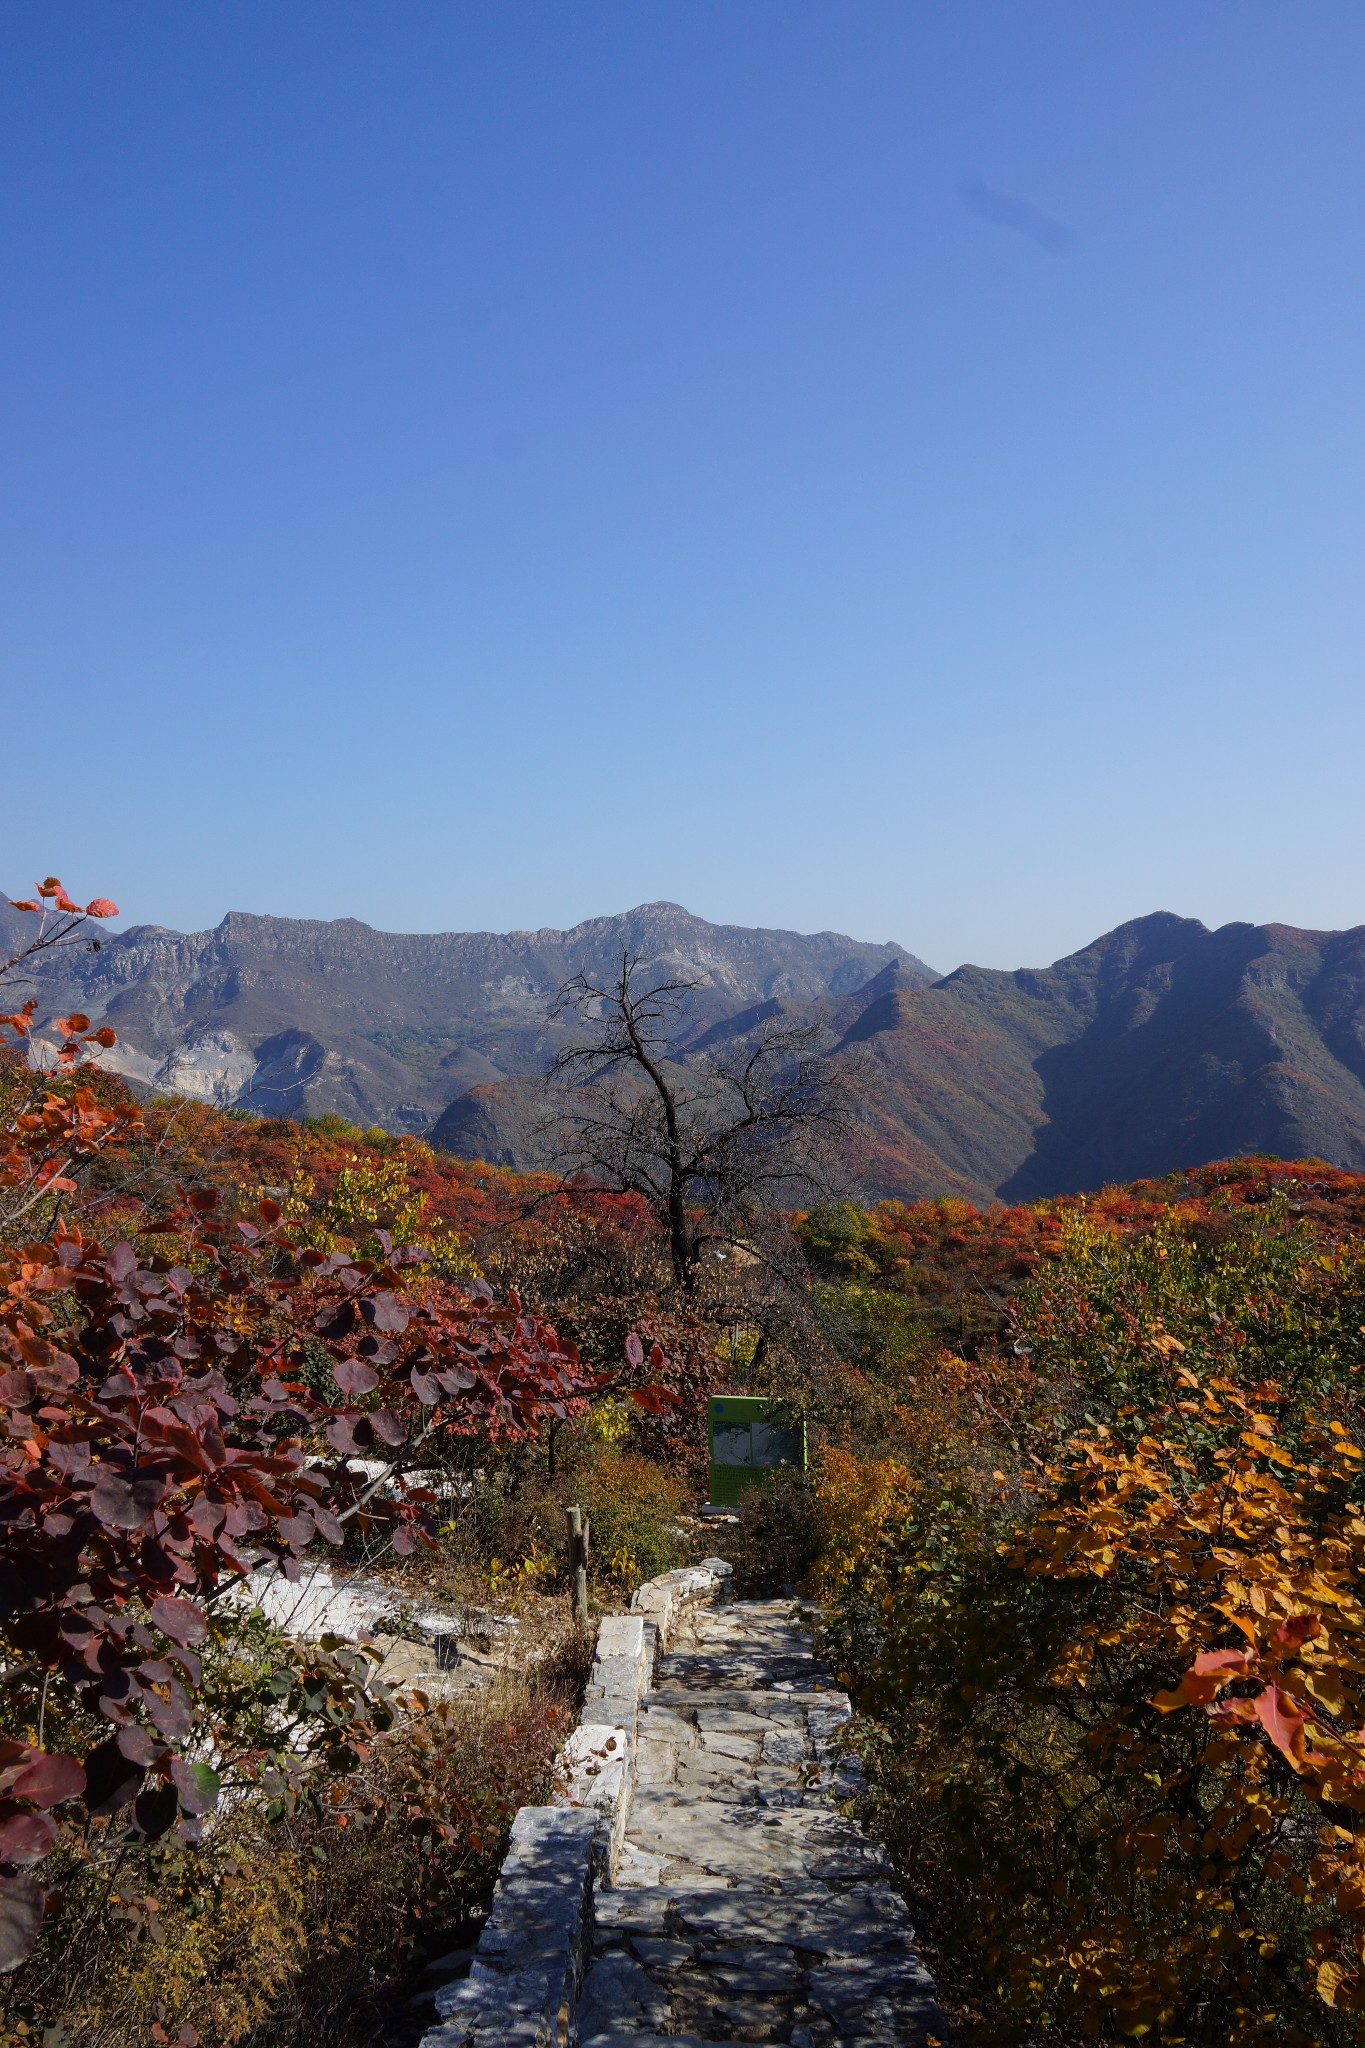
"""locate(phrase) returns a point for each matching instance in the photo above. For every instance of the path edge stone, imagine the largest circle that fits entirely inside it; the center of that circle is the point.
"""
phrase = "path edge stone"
(523, 1984)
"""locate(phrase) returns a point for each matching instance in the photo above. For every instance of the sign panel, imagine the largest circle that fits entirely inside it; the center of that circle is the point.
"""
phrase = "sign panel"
(749, 1436)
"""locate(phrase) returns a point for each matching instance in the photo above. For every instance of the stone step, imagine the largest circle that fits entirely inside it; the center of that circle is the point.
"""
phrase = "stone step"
(748, 1904)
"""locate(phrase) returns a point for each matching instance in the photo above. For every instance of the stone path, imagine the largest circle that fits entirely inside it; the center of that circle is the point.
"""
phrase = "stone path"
(747, 1906)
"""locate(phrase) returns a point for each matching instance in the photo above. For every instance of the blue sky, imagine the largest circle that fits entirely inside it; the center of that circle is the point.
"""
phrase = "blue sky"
(888, 467)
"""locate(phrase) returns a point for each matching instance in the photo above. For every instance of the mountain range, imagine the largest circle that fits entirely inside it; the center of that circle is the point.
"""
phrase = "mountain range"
(295, 1017)
(1160, 1045)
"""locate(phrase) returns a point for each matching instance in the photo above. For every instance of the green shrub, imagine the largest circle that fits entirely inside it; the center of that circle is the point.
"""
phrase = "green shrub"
(633, 1506)
(1124, 1857)
(1264, 1295)
(332, 1125)
(883, 1332)
(777, 1540)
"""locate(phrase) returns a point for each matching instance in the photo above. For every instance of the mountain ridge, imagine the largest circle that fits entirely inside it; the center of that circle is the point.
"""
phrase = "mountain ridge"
(1161, 1044)
(1158, 1045)
(295, 1016)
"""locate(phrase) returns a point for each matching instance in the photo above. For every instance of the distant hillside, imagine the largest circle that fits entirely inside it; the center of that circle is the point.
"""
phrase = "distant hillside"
(1161, 1045)
(295, 1017)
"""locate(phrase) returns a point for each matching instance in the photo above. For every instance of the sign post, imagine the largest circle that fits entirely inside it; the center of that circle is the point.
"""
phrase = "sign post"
(750, 1436)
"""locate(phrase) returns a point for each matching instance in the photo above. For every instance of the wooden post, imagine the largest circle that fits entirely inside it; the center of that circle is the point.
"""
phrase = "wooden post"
(578, 1561)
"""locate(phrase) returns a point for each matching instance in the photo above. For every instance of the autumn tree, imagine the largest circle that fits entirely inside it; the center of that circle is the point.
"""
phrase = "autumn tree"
(1104, 1602)
(49, 1134)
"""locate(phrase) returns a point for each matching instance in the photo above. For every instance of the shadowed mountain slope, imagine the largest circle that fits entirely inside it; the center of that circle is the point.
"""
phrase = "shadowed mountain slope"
(1161, 1045)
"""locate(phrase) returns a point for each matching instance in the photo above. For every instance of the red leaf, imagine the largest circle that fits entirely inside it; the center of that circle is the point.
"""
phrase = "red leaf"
(354, 1377)
(340, 1433)
(181, 1620)
(1210, 1670)
(48, 1780)
(387, 1427)
(1283, 1723)
(170, 1718)
(180, 1437)
(635, 1351)
(22, 1904)
(135, 1743)
(112, 1780)
(206, 1517)
(385, 1312)
(155, 1810)
(655, 1400)
(197, 1784)
(297, 1530)
(100, 906)
(69, 1026)
(1299, 1629)
(121, 1263)
(26, 1837)
(121, 1505)
(1226, 1661)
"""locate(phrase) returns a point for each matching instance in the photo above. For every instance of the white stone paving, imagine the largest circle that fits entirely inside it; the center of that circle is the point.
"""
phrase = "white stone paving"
(748, 1904)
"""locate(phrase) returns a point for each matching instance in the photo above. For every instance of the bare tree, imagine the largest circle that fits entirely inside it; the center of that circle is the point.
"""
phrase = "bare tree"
(713, 1145)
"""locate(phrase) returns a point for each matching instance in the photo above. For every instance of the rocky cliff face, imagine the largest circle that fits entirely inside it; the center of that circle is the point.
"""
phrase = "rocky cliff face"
(291, 1016)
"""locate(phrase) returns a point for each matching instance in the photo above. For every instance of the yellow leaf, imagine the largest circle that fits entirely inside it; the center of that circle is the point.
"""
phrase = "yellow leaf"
(1326, 1686)
(1329, 1979)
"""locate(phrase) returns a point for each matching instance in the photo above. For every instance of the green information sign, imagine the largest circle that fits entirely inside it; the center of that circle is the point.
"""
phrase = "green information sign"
(749, 1437)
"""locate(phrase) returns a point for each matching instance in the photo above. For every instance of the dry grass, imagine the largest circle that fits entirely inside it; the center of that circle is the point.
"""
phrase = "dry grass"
(315, 1930)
